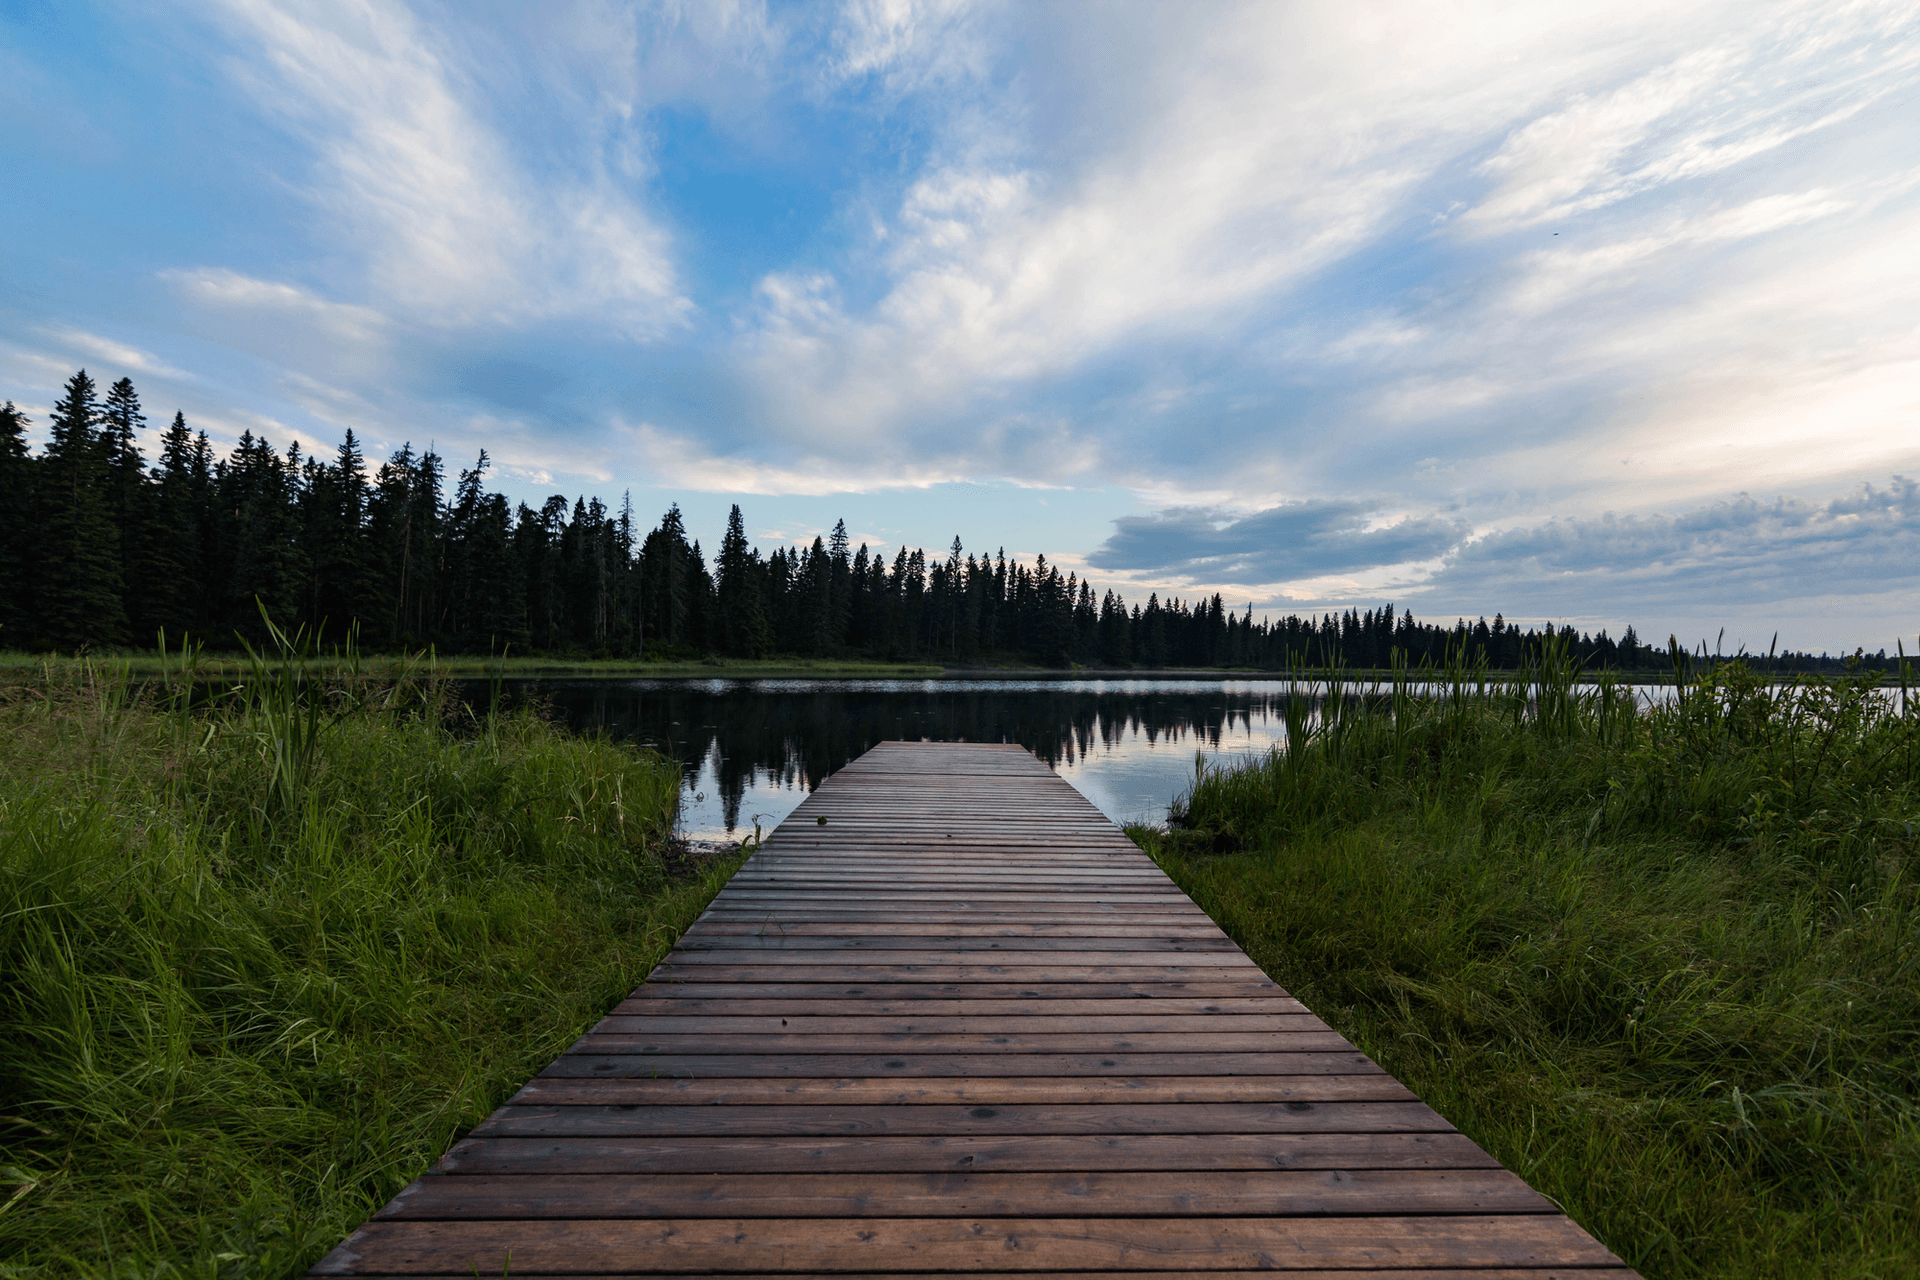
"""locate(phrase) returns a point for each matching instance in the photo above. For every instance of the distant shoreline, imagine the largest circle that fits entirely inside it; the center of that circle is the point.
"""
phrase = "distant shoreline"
(474, 667)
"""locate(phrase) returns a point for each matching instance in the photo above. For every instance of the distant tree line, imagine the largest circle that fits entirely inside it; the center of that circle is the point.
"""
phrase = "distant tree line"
(100, 548)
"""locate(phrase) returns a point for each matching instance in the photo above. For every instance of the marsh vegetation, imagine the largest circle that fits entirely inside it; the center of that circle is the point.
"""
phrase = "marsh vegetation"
(265, 955)
(1663, 961)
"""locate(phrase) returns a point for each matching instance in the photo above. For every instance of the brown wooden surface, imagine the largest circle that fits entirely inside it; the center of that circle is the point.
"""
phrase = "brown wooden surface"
(964, 1026)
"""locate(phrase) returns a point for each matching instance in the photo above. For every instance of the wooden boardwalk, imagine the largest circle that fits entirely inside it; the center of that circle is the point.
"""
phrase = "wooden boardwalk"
(964, 1026)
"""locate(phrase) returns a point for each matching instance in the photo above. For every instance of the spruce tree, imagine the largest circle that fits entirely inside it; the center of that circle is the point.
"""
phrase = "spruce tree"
(120, 423)
(839, 611)
(464, 588)
(629, 639)
(261, 561)
(702, 627)
(666, 581)
(16, 507)
(741, 609)
(78, 589)
(341, 587)
(501, 620)
(131, 505)
(168, 592)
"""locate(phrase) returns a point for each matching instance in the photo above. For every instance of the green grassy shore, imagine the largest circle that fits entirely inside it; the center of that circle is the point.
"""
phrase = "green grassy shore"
(1664, 964)
(260, 962)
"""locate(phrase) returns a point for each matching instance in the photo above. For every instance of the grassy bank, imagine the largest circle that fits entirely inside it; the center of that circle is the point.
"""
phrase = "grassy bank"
(263, 961)
(1665, 964)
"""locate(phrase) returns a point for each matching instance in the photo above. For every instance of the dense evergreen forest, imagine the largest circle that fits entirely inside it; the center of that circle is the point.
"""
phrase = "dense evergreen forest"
(100, 548)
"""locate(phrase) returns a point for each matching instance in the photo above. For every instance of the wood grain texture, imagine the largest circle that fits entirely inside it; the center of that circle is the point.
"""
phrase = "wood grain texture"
(973, 1245)
(964, 1025)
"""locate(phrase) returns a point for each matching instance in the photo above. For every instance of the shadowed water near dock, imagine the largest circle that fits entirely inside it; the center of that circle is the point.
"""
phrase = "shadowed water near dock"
(963, 1025)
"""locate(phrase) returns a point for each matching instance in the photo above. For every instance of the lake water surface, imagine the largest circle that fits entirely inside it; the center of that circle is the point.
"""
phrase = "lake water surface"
(750, 750)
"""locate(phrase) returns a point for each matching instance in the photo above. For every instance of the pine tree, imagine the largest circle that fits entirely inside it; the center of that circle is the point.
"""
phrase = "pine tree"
(839, 611)
(17, 613)
(464, 591)
(345, 589)
(261, 560)
(666, 582)
(120, 424)
(740, 607)
(546, 594)
(78, 593)
(702, 625)
(132, 501)
(629, 638)
(168, 594)
(502, 617)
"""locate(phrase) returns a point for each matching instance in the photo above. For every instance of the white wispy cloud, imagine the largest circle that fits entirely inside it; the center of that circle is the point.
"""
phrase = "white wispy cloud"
(1548, 277)
(908, 43)
(120, 358)
(452, 224)
(219, 287)
(1781, 75)
(672, 459)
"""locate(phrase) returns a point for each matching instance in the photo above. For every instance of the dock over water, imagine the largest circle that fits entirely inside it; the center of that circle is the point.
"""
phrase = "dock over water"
(949, 1018)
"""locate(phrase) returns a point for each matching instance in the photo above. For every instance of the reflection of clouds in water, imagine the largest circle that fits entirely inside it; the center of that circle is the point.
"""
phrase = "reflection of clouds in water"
(755, 748)
(1131, 770)
(1140, 768)
(711, 810)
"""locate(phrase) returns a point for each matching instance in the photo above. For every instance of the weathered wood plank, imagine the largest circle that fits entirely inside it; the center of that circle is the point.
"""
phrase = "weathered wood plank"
(712, 926)
(588, 1066)
(921, 1044)
(655, 1001)
(949, 992)
(1371, 1273)
(1162, 1152)
(680, 1245)
(805, 968)
(796, 1023)
(1375, 1086)
(763, 1121)
(1147, 947)
(1218, 1194)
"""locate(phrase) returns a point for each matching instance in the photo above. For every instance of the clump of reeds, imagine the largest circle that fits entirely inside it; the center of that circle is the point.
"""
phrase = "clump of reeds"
(1661, 956)
(269, 944)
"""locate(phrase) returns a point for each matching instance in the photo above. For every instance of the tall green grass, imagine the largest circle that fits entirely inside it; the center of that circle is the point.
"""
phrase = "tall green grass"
(263, 957)
(1663, 961)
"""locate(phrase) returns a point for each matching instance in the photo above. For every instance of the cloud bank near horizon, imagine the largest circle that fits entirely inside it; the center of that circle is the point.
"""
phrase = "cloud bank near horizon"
(1742, 554)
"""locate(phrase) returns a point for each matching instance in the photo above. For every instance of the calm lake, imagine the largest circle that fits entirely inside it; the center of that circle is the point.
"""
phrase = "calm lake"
(750, 750)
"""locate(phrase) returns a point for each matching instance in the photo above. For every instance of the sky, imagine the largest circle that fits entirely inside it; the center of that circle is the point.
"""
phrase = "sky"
(1598, 313)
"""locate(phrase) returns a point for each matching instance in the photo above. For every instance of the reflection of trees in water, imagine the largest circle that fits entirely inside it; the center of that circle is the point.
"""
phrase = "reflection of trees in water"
(796, 737)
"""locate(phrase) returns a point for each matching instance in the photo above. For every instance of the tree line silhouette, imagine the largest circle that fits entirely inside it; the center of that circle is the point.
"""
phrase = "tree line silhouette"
(100, 548)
